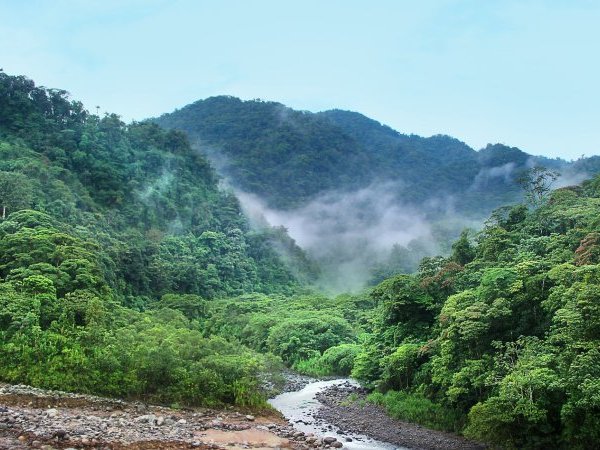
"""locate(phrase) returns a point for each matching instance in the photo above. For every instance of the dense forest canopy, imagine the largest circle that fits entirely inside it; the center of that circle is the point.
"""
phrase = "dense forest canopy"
(107, 231)
(126, 271)
(500, 340)
(289, 157)
(362, 199)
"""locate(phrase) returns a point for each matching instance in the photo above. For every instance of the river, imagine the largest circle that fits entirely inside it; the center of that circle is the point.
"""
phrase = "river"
(300, 406)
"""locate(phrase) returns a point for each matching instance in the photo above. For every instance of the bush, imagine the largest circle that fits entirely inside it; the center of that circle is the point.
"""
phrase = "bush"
(341, 358)
(416, 408)
(296, 339)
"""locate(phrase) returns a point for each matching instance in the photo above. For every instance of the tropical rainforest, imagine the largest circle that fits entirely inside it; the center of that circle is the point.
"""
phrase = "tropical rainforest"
(353, 182)
(128, 269)
(289, 157)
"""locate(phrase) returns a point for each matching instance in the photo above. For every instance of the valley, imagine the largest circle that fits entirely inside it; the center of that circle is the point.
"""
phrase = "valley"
(144, 264)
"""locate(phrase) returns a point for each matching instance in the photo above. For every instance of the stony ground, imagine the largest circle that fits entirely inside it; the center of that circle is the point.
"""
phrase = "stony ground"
(35, 418)
(345, 407)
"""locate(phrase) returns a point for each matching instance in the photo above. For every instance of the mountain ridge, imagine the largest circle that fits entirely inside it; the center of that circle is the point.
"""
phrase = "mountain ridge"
(346, 150)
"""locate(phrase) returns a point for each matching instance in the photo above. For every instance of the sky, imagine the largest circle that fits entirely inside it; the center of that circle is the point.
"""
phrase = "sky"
(520, 72)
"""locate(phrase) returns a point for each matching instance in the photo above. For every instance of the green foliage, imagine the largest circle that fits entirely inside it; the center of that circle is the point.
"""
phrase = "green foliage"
(462, 250)
(126, 271)
(192, 306)
(400, 367)
(537, 183)
(290, 157)
(418, 409)
(338, 360)
(295, 339)
(313, 334)
(114, 238)
(142, 195)
(294, 160)
(268, 145)
(503, 335)
(99, 347)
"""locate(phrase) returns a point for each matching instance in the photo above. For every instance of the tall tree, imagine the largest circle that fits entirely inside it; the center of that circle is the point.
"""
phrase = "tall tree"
(537, 184)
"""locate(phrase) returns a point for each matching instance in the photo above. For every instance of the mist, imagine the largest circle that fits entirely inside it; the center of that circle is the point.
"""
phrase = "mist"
(347, 232)
(363, 236)
(505, 172)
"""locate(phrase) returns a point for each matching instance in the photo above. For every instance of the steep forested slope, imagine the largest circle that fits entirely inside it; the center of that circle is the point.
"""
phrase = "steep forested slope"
(141, 186)
(500, 340)
(280, 154)
(100, 220)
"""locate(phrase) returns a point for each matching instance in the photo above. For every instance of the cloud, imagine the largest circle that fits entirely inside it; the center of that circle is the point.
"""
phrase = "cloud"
(347, 232)
(485, 176)
(570, 178)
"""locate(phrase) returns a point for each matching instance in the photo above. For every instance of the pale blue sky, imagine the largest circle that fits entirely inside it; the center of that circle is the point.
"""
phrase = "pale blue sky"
(525, 73)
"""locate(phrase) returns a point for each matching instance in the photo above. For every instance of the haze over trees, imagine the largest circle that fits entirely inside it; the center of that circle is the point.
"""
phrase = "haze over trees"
(344, 185)
(290, 157)
(126, 271)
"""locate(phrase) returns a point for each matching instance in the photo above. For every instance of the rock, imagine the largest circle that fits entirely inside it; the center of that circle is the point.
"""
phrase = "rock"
(60, 434)
(148, 418)
(329, 440)
(52, 412)
(182, 421)
(337, 444)
(160, 420)
(250, 418)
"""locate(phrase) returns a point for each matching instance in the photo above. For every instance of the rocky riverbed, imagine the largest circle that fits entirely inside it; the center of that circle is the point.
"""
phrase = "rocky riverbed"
(345, 407)
(36, 418)
(337, 417)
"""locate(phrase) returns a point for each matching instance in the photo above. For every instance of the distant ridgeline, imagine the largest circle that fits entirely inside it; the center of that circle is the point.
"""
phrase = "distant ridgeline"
(289, 157)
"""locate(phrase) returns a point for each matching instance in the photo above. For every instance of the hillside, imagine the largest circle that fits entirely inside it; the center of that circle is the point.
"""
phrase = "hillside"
(290, 157)
(362, 199)
(113, 237)
(500, 340)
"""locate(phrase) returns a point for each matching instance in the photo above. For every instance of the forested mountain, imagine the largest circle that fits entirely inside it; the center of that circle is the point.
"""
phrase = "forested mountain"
(361, 198)
(501, 339)
(98, 220)
(290, 157)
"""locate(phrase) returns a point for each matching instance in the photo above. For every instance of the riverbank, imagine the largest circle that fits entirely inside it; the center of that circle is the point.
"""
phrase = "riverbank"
(344, 406)
(37, 418)
(322, 414)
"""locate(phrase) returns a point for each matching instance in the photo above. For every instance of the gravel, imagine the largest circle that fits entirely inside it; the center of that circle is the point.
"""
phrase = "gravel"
(354, 415)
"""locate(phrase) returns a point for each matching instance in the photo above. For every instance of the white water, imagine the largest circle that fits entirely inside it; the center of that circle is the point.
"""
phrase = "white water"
(299, 407)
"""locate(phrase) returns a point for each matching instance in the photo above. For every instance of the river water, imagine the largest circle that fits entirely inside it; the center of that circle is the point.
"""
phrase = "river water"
(299, 407)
